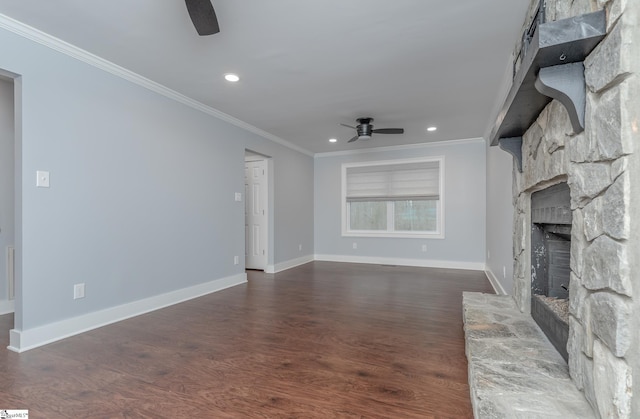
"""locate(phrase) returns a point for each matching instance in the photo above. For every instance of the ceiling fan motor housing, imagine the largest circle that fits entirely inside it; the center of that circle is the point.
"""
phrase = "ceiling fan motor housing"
(364, 128)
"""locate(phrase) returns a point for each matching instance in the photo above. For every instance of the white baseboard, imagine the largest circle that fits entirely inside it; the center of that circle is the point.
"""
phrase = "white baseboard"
(283, 266)
(23, 340)
(7, 306)
(423, 263)
(497, 286)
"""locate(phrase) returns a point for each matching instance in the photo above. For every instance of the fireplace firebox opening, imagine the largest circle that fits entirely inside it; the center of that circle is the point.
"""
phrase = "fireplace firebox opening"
(551, 220)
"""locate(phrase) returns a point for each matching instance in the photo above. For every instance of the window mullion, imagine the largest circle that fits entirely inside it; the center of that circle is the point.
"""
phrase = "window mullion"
(348, 216)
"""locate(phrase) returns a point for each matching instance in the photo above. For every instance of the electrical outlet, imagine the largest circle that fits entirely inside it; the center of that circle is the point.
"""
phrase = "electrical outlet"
(78, 291)
(300, 247)
(424, 247)
(504, 272)
(488, 254)
(355, 245)
(236, 260)
(238, 196)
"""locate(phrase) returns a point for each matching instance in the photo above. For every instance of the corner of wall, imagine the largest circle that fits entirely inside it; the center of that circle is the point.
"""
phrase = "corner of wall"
(497, 286)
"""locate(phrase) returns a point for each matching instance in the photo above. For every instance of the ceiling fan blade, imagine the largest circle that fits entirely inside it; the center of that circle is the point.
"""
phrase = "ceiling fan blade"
(389, 131)
(353, 139)
(348, 126)
(203, 16)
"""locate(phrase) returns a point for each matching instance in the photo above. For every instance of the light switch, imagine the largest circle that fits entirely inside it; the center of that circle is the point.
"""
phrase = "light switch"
(238, 196)
(42, 179)
(78, 291)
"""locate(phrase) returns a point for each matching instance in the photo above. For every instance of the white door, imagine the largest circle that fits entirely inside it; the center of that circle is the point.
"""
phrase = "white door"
(255, 188)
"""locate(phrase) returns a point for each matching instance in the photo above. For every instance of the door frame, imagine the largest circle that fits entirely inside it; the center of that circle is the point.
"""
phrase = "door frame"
(251, 155)
(15, 305)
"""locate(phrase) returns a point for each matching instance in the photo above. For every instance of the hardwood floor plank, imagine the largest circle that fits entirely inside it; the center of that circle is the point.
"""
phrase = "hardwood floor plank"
(323, 340)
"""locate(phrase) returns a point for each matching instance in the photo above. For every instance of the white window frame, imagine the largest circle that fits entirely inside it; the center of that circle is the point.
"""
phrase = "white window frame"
(437, 234)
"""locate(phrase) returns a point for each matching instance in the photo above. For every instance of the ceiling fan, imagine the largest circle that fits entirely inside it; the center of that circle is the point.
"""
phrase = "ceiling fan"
(203, 16)
(365, 129)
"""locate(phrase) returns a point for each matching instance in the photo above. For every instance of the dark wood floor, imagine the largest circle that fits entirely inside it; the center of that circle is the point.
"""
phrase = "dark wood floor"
(324, 340)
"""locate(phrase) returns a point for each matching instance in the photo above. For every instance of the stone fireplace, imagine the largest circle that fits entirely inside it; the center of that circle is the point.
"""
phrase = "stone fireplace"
(600, 168)
(572, 122)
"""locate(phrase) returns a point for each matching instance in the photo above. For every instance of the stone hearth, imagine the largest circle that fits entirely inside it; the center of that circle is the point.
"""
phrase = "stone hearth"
(514, 372)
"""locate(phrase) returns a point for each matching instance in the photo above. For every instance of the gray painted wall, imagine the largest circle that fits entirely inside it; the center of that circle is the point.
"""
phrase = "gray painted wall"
(7, 193)
(500, 196)
(142, 189)
(500, 217)
(464, 207)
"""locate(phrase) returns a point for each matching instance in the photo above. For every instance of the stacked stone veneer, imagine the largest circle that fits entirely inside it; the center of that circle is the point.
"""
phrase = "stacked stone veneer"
(602, 168)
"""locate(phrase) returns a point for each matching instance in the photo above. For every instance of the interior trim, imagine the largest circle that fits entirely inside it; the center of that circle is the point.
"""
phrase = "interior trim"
(23, 340)
(288, 264)
(497, 286)
(421, 263)
(400, 147)
(73, 51)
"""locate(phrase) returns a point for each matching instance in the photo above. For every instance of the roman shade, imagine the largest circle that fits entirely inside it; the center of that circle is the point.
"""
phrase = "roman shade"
(414, 181)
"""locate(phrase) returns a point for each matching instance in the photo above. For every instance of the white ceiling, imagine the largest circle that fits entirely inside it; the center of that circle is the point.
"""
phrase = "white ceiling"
(306, 66)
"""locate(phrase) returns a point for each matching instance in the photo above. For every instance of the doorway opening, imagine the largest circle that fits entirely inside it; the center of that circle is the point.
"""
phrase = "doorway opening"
(10, 195)
(256, 214)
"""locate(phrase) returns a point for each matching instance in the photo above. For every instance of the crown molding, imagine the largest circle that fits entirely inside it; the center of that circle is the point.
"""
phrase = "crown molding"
(79, 54)
(400, 147)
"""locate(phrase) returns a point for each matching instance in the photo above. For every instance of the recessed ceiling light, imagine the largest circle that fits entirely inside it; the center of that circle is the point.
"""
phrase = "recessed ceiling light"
(333, 140)
(231, 77)
(431, 129)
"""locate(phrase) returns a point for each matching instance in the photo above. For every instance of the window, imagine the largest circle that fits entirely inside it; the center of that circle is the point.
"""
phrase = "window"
(399, 198)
